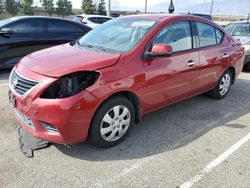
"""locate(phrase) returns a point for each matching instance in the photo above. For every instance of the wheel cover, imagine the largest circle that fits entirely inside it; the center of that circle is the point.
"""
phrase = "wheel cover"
(225, 84)
(115, 123)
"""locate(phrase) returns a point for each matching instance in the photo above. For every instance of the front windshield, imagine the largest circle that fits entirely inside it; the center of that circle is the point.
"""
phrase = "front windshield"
(4, 22)
(118, 35)
(239, 29)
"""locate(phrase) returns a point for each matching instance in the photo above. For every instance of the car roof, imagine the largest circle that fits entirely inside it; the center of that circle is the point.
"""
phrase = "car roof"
(92, 15)
(36, 17)
(157, 17)
(16, 18)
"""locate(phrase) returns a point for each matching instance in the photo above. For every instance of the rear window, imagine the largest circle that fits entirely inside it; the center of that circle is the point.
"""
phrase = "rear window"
(78, 18)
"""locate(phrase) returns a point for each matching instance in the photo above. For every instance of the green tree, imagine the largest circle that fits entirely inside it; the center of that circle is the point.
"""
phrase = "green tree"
(88, 7)
(12, 7)
(26, 6)
(101, 7)
(48, 5)
(64, 7)
(1, 6)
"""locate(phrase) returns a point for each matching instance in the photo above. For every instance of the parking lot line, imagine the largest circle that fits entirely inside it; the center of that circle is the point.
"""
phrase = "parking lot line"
(216, 162)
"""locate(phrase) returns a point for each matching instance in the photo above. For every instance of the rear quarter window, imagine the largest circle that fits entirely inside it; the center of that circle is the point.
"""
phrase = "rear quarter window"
(219, 36)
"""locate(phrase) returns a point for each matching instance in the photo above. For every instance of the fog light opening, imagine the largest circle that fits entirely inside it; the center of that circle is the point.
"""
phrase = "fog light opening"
(50, 128)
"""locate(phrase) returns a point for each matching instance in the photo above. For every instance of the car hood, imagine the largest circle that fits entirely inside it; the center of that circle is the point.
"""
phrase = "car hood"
(243, 39)
(64, 59)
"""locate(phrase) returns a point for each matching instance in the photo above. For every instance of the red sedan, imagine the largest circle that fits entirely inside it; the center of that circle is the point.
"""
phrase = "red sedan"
(99, 86)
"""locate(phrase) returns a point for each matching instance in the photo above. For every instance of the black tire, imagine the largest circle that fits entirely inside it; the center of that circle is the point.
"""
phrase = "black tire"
(247, 67)
(95, 136)
(216, 92)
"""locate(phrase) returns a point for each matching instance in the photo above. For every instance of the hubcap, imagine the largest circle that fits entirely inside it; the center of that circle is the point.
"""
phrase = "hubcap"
(115, 123)
(225, 84)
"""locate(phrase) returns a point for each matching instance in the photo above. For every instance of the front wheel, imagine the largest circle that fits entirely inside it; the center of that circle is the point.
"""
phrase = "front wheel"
(112, 122)
(223, 86)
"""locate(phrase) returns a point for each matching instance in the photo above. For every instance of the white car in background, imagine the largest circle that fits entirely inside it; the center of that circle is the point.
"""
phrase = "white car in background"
(91, 20)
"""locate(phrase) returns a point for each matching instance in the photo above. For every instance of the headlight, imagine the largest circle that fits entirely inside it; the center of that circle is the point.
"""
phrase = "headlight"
(247, 48)
(70, 85)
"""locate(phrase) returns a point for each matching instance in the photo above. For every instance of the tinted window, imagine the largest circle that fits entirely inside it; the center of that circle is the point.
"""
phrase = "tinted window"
(219, 36)
(178, 35)
(4, 22)
(60, 26)
(92, 20)
(102, 20)
(29, 26)
(206, 34)
(78, 18)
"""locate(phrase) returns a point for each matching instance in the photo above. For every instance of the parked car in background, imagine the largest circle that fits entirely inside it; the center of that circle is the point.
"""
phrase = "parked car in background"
(98, 87)
(20, 36)
(241, 31)
(91, 20)
(207, 16)
(223, 23)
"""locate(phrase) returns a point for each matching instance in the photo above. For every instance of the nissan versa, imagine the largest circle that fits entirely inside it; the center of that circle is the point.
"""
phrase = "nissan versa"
(99, 86)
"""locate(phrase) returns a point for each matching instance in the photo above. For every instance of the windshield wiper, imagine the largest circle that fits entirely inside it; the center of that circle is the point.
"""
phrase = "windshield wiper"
(90, 46)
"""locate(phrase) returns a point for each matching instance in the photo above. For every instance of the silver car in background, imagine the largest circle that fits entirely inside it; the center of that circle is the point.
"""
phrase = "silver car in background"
(241, 30)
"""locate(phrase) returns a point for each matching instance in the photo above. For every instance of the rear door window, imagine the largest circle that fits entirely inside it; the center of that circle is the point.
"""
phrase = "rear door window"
(28, 26)
(206, 34)
(62, 27)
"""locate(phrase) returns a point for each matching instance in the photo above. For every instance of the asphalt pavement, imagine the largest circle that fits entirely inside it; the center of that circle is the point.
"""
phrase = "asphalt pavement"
(200, 142)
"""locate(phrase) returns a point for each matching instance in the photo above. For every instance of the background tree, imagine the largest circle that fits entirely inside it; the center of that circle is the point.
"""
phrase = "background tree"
(48, 5)
(12, 7)
(26, 6)
(64, 7)
(88, 7)
(101, 7)
(1, 5)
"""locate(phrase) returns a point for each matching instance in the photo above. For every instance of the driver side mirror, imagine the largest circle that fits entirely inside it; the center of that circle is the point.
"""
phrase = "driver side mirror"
(5, 31)
(161, 50)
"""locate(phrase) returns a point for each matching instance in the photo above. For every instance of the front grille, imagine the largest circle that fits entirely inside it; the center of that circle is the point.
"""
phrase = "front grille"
(20, 84)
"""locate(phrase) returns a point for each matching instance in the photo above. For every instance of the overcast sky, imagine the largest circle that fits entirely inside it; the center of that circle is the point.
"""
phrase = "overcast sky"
(132, 3)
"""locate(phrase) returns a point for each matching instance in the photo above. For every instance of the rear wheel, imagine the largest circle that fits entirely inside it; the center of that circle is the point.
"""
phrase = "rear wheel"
(112, 122)
(223, 86)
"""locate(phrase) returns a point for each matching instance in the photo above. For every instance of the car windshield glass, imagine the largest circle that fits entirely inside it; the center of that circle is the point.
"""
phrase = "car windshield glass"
(4, 22)
(239, 29)
(117, 35)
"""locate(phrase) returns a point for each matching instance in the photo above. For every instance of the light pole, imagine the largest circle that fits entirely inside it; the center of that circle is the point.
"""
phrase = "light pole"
(212, 5)
(109, 8)
(146, 6)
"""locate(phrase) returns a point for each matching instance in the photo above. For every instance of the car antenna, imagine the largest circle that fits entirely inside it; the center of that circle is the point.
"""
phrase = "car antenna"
(248, 17)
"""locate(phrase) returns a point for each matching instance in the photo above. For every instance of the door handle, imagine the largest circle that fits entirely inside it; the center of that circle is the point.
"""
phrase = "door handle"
(225, 56)
(191, 63)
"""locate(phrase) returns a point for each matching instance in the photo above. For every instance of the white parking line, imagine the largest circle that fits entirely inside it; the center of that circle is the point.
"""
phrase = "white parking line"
(144, 161)
(216, 162)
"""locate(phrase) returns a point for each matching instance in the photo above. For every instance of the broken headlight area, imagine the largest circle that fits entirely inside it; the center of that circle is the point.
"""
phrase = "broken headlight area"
(70, 85)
